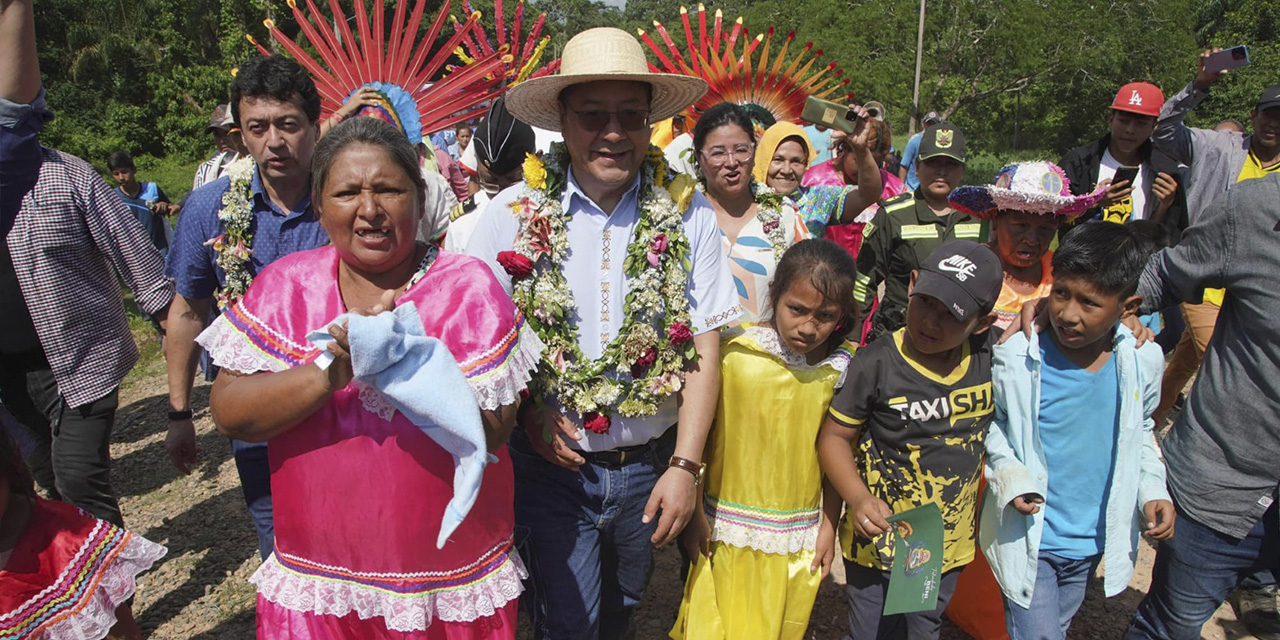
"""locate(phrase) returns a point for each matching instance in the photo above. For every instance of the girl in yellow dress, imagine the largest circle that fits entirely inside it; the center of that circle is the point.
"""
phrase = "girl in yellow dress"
(765, 544)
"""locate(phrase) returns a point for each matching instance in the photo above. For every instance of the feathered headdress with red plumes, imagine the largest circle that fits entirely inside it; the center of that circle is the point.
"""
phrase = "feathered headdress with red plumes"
(525, 55)
(752, 74)
(398, 66)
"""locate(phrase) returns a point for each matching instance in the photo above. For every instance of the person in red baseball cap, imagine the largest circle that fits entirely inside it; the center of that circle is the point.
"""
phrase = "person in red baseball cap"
(1144, 183)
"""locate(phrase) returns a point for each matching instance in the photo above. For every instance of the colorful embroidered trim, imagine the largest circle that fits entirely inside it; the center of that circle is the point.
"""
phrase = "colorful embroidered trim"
(765, 530)
(402, 584)
(73, 589)
(267, 340)
(491, 362)
(762, 519)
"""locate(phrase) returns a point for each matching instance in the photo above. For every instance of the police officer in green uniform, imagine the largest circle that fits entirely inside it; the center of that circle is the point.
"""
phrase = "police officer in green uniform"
(910, 226)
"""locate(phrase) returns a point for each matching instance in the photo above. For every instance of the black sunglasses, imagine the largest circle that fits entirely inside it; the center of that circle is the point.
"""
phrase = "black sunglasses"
(629, 119)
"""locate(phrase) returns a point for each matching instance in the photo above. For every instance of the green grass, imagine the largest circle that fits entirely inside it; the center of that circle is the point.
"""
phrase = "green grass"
(173, 176)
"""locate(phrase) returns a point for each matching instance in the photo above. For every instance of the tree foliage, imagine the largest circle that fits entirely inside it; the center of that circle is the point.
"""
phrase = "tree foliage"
(143, 75)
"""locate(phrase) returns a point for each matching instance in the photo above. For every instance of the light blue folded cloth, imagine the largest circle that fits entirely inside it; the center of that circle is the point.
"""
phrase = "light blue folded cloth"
(391, 353)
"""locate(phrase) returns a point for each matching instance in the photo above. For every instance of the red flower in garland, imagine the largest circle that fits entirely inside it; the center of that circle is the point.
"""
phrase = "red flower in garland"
(516, 265)
(644, 363)
(679, 333)
(596, 422)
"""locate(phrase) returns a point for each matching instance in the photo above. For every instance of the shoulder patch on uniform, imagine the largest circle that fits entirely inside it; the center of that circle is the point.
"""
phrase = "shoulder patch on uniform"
(898, 202)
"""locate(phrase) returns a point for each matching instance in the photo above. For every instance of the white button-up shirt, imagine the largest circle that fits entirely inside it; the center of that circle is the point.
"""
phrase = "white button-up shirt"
(598, 246)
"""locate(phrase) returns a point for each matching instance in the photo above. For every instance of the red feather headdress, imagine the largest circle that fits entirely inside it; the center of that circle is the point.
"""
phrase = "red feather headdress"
(400, 66)
(750, 74)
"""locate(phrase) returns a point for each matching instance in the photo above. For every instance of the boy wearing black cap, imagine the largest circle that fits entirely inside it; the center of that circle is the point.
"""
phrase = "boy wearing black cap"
(911, 226)
(916, 405)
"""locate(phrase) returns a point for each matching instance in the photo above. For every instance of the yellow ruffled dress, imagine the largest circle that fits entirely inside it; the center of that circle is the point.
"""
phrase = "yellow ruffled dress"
(763, 492)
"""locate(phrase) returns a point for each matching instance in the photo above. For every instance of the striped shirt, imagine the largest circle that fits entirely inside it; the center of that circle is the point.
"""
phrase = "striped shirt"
(72, 243)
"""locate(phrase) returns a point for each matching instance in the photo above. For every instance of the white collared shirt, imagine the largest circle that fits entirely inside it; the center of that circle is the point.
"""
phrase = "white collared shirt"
(598, 246)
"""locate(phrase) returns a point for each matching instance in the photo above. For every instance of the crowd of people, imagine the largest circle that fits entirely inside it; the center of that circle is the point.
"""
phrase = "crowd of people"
(495, 367)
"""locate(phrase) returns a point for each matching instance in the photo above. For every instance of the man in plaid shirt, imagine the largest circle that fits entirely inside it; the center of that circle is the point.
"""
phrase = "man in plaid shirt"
(64, 336)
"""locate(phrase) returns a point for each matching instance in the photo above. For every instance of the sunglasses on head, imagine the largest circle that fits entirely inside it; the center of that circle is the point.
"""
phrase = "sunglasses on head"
(597, 120)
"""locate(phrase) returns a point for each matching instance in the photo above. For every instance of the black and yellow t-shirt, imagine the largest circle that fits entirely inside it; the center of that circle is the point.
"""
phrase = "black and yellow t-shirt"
(921, 442)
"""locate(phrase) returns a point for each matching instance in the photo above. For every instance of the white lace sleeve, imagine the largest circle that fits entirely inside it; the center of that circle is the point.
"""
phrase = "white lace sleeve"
(232, 349)
(499, 375)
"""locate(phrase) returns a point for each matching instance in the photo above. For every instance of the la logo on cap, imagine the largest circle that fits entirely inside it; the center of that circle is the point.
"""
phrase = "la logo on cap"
(1135, 99)
(963, 267)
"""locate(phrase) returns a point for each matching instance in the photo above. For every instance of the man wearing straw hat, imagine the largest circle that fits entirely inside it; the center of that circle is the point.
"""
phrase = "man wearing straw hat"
(619, 270)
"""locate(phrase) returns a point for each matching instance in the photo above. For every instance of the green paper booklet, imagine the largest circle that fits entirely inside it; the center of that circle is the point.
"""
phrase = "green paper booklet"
(917, 561)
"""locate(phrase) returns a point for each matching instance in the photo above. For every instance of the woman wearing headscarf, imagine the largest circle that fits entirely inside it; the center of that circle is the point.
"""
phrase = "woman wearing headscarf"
(782, 158)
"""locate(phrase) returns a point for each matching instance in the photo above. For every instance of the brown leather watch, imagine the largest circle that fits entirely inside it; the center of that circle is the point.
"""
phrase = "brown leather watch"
(696, 468)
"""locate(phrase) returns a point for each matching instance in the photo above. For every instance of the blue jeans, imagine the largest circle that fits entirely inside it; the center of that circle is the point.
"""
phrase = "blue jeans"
(579, 533)
(255, 483)
(1196, 570)
(1059, 591)
(865, 593)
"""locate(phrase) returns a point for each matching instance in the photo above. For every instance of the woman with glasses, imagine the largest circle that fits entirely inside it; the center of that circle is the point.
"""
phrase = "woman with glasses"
(757, 219)
(756, 224)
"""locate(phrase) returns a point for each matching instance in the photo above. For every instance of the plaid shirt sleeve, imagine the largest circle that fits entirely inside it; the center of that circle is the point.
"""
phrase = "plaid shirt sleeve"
(69, 242)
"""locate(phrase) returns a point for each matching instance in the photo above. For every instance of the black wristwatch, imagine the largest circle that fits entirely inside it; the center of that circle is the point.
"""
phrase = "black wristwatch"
(174, 416)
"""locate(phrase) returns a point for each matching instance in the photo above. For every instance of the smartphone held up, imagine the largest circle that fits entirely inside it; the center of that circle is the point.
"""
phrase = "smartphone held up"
(1227, 59)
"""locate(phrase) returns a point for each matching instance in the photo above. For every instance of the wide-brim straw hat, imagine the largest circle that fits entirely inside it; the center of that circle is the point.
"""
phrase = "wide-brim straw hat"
(603, 53)
(1031, 187)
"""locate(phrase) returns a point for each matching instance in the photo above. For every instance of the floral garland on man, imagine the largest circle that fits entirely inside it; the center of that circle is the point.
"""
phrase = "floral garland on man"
(654, 348)
(234, 246)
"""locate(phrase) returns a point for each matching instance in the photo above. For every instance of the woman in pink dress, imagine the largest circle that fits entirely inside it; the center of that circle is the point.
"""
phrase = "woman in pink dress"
(360, 491)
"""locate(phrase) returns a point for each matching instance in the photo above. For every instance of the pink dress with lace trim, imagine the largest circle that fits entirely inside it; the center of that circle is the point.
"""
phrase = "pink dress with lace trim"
(358, 490)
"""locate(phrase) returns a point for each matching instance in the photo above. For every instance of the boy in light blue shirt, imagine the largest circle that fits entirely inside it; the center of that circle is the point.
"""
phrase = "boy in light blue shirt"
(1072, 467)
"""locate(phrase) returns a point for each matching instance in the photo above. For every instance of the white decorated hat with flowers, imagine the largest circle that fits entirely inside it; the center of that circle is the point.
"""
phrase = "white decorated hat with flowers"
(1030, 187)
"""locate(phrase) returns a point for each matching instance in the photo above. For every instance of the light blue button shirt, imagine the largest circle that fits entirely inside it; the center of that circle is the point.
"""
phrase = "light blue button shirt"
(593, 268)
(1016, 465)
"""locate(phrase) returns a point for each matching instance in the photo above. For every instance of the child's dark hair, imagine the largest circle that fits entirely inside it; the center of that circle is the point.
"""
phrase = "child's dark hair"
(829, 269)
(119, 160)
(1153, 235)
(1110, 256)
(12, 467)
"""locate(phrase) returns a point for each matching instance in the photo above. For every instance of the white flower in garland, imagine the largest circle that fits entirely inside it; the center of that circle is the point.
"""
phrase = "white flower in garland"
(234, 247)
(769, 205)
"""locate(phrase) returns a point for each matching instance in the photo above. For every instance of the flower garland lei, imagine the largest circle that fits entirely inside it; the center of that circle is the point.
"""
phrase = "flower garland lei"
(769, 213)
(235, 245)
(654, 347)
